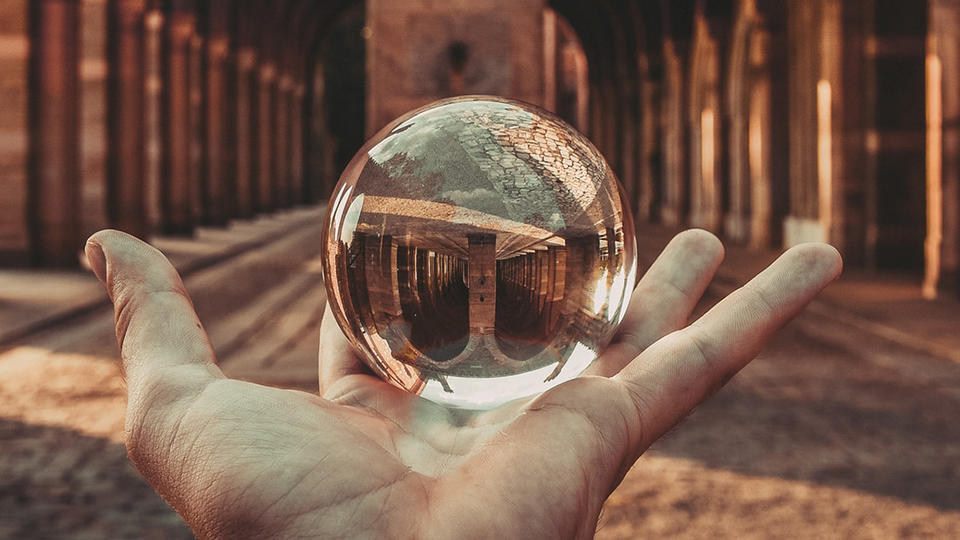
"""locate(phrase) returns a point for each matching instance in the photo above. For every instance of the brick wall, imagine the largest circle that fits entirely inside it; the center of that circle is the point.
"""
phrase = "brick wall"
(423, 50)
(14, 51)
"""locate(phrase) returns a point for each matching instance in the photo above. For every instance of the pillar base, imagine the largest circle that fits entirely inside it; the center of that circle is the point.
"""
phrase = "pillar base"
(799, 230)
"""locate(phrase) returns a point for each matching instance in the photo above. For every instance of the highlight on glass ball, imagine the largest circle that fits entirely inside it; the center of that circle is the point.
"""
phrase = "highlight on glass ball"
(477, 251)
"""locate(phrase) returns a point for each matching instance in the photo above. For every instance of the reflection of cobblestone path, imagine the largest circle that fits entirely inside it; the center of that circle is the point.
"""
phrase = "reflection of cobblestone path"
(63, 466)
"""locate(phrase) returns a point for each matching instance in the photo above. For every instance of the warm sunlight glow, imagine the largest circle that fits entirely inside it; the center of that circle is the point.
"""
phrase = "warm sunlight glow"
(824, 156)
(934, 176)
(707, 153)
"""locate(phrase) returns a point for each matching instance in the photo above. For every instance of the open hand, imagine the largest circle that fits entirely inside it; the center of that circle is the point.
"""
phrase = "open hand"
(365, 459)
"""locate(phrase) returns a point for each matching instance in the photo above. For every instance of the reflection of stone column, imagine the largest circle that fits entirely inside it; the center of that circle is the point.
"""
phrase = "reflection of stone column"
(557, 258)
(380, 262)
(482, 282)
(407, 280)
(613, 255)
(582, 273)
(543, 279)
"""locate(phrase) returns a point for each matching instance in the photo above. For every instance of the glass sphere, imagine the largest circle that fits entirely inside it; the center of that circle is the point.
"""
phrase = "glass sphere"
(478, 250)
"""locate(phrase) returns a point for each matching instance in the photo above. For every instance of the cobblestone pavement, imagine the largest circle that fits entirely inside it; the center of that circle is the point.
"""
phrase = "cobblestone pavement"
(831, 433)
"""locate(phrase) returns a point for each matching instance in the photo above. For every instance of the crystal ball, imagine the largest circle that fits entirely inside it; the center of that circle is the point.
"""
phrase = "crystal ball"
(478, 250)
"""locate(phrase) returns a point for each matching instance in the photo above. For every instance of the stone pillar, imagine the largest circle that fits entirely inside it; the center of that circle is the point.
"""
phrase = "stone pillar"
(895, 141)
(14, 132)
(673, 210)
(176, 180)
(196, 80)
(280, 140)
(737, 105)
(815, 36)
(94, 112)
(943, 148)
(297, 113)
(706, 121)
(54, 188)
(153, 105)
(246, 60)
(759, 142)
(218, 190)
(264, 143)
(648, 169)
(482, 282)
(126, 197)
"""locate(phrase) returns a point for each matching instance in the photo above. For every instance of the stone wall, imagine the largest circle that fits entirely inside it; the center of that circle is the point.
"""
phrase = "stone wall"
(14, 52)
(423, 50)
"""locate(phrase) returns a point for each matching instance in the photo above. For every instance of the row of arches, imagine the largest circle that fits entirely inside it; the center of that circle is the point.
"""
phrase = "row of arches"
(770, 122)
(158, 116)
(776, 122)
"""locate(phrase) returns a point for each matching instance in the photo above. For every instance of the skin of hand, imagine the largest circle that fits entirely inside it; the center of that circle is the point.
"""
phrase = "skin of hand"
(364, 459)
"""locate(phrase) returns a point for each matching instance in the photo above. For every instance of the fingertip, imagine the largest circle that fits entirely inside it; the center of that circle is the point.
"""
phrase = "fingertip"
(96, 259)
(701, 243)
(819, 258)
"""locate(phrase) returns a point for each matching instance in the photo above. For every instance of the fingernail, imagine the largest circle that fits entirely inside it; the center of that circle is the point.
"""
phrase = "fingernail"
(98, 262)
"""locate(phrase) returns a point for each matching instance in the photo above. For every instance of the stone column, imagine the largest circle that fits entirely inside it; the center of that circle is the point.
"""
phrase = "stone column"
(648, 167)
(264, 143)
(705, 120)
(673, 209)
(482, 282)
(126, 197)
(943, 148)
(94, 35)
(54, 187)
(218, 190)
(737, 106)
(246, 60)
(280, 140)
(177, 184)
(297, 111)
(153, 105)
(196, 81)
(815, 36)
(14, 72)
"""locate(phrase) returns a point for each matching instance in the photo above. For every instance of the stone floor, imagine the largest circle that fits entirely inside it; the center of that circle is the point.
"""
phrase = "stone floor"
(840, 429)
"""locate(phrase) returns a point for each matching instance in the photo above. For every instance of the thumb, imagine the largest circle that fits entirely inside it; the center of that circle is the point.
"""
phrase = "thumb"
(160, 337)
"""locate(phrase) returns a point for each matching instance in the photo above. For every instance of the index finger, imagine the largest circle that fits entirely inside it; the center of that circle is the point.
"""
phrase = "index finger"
(685, 367)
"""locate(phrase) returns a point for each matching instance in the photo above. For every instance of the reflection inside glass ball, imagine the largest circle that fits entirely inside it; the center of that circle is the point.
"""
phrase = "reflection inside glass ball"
(478, 250)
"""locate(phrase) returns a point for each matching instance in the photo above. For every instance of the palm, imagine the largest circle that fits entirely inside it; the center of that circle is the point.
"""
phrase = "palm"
(290, 461)
(366, 459)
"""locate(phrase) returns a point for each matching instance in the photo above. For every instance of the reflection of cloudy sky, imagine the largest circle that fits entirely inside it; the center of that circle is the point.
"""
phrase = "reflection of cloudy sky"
(477, 172)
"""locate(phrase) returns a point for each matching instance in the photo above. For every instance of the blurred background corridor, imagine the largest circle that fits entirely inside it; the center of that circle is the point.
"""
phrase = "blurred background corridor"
(217, 129)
